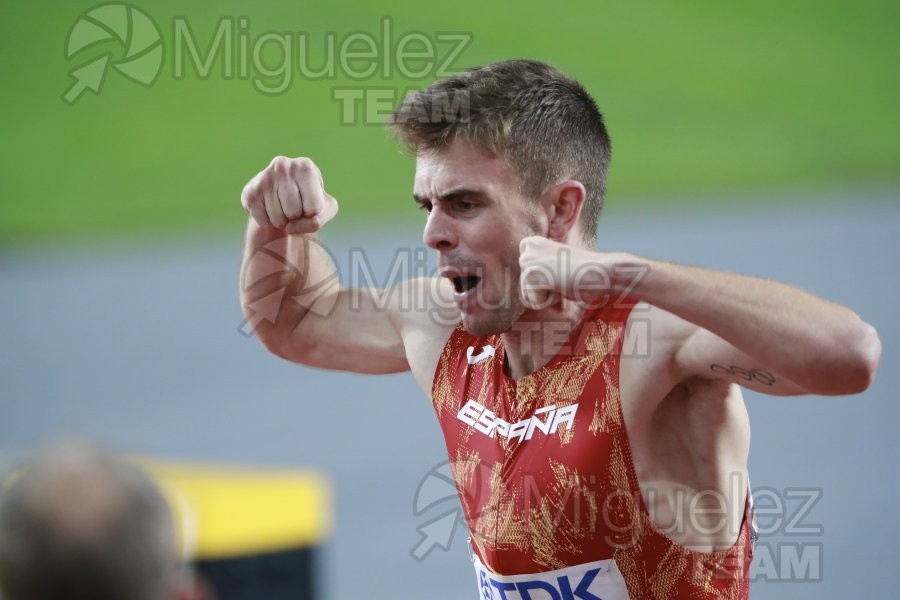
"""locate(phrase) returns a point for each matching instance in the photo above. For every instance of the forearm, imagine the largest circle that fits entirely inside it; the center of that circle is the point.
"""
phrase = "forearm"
(819, 345)
(281, 278)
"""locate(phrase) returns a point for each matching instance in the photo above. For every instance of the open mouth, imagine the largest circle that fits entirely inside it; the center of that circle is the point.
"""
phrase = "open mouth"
(464, 283)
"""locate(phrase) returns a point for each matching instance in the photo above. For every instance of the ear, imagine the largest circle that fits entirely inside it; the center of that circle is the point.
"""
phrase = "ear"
(562, 203)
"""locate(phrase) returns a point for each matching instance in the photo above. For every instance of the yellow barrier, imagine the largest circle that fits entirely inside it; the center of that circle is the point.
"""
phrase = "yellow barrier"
(225, 512)
(250, 532)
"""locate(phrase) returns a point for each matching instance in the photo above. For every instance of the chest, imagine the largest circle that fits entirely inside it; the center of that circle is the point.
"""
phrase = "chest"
(557, 434)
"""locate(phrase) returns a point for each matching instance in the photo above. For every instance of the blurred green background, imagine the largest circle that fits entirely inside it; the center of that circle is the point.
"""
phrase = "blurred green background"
(704, 100)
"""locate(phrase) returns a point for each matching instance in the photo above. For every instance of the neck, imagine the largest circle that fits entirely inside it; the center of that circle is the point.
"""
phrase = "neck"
(538, 336)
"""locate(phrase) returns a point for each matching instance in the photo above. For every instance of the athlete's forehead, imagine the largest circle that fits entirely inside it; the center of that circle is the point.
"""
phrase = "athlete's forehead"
(461, 169)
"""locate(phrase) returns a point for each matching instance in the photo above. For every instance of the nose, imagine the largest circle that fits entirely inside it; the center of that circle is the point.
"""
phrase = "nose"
(440, 233)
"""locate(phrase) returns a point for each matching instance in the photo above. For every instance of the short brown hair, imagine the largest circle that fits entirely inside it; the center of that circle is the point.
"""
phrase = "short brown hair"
(546, 125)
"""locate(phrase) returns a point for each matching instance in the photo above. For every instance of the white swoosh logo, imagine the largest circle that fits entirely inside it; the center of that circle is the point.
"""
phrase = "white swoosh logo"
(487, 352)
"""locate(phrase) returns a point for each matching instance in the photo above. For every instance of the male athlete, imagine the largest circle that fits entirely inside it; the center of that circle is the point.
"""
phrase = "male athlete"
(589, 400)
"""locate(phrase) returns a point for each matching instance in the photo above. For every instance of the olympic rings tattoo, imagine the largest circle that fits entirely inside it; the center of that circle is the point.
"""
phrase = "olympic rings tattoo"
(758, 375)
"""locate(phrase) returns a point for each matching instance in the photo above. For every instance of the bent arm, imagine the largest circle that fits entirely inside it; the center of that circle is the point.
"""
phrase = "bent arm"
(291, 294)
(752, 331)
(293, 299)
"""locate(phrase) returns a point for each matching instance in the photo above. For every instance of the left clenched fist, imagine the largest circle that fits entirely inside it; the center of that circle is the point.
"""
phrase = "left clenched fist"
(551, 271)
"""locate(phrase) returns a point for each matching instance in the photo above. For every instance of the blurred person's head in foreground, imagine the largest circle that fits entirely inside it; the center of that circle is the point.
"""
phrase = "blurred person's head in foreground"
(78, 523)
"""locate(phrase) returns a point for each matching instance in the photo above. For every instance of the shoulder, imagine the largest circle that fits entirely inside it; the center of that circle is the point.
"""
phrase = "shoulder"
(425, 315)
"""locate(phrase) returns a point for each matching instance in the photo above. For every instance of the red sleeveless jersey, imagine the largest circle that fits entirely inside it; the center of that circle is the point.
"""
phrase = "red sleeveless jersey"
(544, 469)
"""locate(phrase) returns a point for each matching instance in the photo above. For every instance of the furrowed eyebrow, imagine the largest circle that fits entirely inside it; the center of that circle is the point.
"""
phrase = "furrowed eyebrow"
(454, 194)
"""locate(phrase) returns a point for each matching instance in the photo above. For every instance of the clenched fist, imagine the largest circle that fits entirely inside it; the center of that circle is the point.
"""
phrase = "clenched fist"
(290, 195)
(551, 271)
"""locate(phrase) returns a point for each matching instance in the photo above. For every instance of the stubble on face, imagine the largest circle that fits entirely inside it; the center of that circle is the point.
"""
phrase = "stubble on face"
(500, 316)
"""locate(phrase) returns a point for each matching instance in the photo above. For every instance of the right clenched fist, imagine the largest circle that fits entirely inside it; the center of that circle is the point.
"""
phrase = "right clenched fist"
(289, 194)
